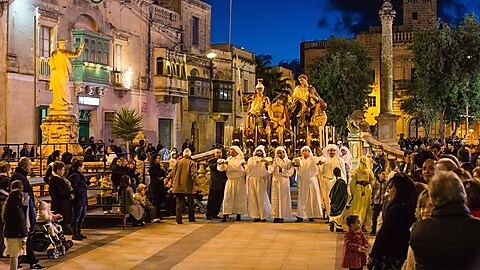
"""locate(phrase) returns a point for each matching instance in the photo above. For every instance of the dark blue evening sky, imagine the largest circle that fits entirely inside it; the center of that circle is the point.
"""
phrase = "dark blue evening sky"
(278, 27)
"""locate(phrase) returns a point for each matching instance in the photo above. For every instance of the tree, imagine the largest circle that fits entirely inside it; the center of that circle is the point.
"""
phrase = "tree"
(446, 70)
(272, 80)
(126, 125)
(343, 79)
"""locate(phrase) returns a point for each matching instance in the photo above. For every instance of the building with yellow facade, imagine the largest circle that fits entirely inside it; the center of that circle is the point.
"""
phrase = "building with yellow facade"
(414, 13)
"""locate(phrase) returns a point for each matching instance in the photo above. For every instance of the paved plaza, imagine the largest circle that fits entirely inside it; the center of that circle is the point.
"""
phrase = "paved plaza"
(204, 245)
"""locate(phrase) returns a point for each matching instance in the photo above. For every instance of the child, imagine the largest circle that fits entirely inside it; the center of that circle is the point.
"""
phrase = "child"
(106, 193)
(379, 196)
(355, 245)
(45, 215)
(338, 201)
(15, 218)
(141, 197)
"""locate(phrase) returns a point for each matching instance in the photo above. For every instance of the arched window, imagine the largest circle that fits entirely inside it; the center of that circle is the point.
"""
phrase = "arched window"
(413, 128)
(194, 72)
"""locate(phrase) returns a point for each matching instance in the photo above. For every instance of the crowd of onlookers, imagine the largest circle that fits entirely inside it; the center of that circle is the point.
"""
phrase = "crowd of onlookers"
(430, 214)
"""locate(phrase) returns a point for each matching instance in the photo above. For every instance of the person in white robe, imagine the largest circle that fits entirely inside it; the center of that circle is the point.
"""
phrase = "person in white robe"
(235, 196)
(308, 205)
(259, 207)
(281, 170)
(347, 157)
(330, 160)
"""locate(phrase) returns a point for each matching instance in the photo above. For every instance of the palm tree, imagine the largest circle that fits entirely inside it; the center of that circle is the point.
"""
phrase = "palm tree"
(272, 81)
(126, 125)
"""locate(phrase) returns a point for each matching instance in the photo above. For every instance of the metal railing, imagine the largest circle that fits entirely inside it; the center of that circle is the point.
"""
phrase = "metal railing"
(43, 69)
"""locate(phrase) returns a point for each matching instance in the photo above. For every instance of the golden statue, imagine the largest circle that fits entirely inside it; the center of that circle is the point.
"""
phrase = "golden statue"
(308, 107)
(61, 69)
(258, 108)
(278, 114)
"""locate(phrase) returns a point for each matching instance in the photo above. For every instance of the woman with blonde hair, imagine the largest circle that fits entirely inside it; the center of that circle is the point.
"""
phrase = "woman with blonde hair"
(361, 189)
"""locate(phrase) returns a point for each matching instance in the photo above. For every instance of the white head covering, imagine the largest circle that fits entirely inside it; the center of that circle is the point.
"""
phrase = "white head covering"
(330, 146)
(281, 148)
(260, 148)
(308, 148)
(238, 150)
(348, 155)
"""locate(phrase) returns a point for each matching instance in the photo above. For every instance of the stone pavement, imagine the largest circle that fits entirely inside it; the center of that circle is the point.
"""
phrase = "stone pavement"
(204, 245)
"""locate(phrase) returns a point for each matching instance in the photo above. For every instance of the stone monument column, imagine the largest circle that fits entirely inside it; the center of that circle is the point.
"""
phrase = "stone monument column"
(387, 120)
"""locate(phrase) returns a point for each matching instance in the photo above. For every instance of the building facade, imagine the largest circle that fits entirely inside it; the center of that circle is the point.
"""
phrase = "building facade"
(136, 55)
(413, 13)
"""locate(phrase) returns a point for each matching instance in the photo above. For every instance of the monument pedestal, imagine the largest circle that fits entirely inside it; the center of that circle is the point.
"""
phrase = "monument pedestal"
(355, 144)
(60, 130)
(387, 129)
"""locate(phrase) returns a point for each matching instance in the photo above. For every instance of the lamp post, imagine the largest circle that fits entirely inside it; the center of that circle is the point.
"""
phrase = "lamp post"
(211, 56)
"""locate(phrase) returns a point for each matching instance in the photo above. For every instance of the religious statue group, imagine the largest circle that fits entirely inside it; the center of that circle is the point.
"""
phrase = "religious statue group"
(298, 118)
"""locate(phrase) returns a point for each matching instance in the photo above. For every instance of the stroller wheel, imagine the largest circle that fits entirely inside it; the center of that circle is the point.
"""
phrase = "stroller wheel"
(202, 210)
(53, 253)
(68, 244)
(63, 249)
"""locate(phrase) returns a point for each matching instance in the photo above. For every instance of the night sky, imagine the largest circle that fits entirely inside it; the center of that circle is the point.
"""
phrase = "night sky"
(278, 27)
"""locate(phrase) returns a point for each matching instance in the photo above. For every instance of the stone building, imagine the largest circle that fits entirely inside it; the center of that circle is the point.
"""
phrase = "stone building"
(213, 107)
(138, 54)
(412, 13)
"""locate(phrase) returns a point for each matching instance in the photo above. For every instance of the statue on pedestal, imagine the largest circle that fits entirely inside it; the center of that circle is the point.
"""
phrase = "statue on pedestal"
(257, 113)
(60, 128)
(61, 69)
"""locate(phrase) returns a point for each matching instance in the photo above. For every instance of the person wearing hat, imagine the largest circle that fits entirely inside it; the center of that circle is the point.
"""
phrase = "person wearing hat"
(235, 197)
(332, 160)
(257, 180)
(258, 107)
(281, 170)
(308, 190)
(61, 69)
(184, 181)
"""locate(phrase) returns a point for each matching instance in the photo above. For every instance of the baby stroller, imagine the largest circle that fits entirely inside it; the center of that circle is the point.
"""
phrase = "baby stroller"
(198, 202)
(42, 239)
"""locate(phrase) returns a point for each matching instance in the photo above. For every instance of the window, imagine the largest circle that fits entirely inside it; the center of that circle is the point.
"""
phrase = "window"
(118, 57)
(414, 16)
(372, 101)
(224, 92)
(373, 75)
(245, 85)
(45, 37)
(195, 31)
(97, 48)
(159, 66)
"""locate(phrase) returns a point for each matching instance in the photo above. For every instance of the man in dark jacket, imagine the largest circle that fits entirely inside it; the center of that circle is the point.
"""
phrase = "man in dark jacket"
(450, 239)
(217, 187)
(184, 181)
(21, 172)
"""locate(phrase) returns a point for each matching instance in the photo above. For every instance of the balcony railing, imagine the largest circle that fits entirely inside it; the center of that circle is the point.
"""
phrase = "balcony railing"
(43, 69)
(117, 78)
